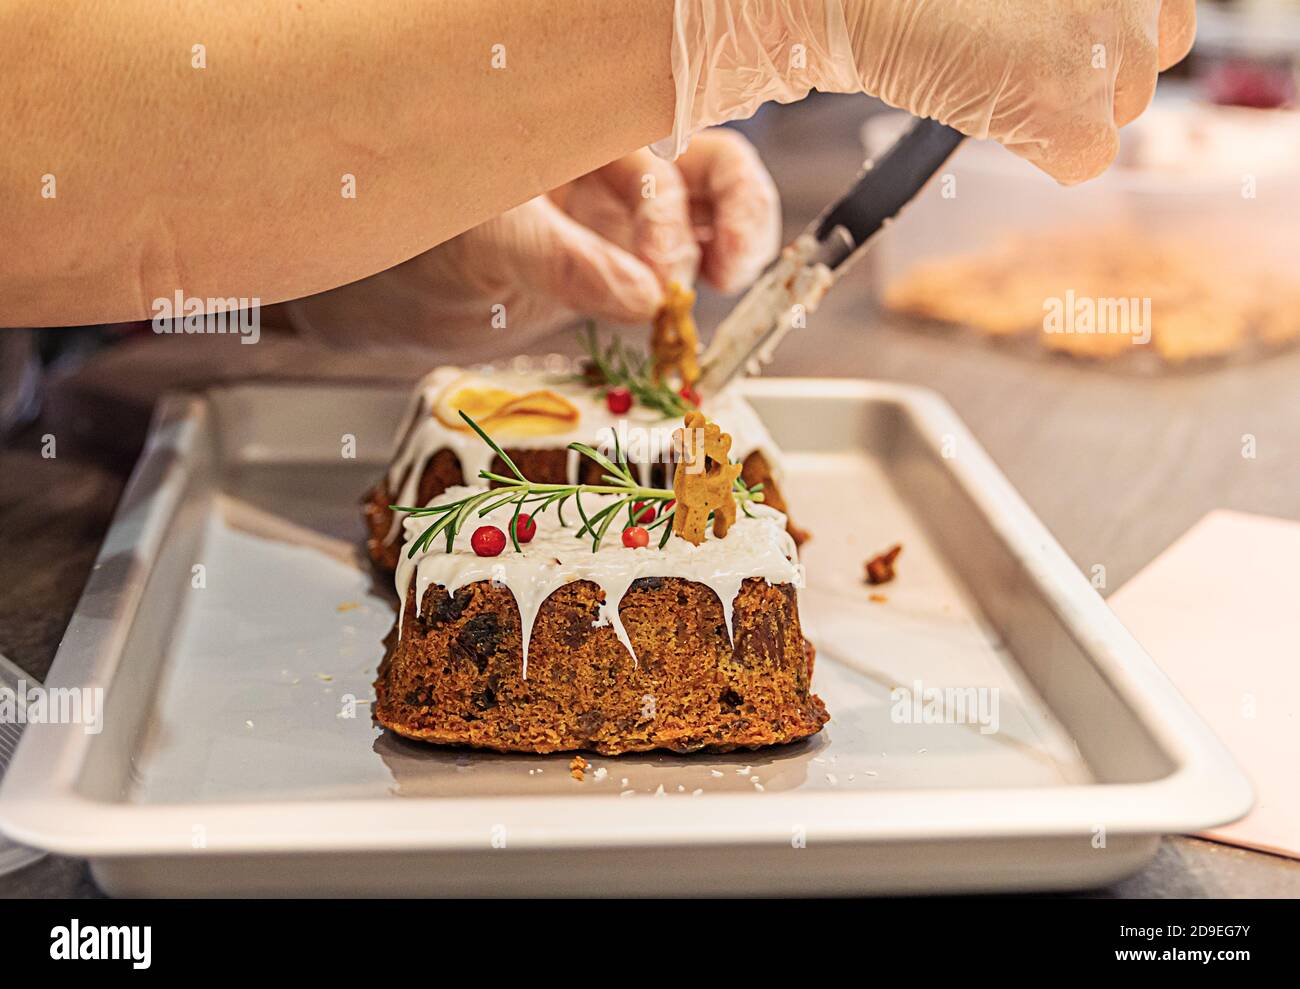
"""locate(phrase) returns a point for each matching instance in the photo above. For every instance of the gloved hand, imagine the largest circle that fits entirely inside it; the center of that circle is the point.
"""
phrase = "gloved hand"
(604, 245)
(1053, 80)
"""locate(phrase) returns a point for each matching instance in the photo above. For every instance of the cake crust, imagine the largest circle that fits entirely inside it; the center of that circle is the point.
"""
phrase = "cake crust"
(454, 674)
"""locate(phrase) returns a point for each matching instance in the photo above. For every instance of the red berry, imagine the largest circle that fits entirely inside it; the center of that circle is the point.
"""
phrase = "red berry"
(619, 400)
(488, 540)
(525, 528)
(634, 537)
(690, 394)
(643, 511)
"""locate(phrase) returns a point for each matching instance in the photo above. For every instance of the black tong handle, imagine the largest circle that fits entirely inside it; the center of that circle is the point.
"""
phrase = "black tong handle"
(891, 182)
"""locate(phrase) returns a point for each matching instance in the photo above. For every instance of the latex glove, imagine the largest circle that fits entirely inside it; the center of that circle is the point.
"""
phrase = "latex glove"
(604, 245)
(1053, 80)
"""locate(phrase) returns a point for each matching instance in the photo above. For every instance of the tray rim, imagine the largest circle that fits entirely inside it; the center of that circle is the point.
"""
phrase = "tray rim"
(41, 806)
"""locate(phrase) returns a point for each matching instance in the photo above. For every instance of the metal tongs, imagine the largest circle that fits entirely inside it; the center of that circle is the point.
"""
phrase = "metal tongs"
(796, 282)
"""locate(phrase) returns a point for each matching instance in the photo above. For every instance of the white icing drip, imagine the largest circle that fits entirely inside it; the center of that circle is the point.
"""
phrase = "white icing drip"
(727, 586)
(754, 547)
(614, 590)
(418, 445)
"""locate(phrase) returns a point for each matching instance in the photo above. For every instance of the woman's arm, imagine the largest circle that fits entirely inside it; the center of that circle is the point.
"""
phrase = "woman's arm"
(135, 165)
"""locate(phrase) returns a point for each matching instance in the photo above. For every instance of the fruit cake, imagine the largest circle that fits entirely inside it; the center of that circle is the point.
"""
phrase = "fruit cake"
(536, 416)
(678, 628)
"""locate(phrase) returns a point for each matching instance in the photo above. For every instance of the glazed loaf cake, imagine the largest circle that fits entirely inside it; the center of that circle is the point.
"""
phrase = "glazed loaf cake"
(557, 647)
(538, 416)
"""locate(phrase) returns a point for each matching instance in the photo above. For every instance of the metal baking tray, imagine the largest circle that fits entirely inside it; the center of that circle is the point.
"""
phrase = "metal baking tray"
(228, 764)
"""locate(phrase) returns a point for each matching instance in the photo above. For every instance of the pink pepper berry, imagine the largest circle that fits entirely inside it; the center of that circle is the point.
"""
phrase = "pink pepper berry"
(488, 540)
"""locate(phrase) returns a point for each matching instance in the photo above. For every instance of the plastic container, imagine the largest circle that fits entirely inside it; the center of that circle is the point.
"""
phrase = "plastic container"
(1183, 253)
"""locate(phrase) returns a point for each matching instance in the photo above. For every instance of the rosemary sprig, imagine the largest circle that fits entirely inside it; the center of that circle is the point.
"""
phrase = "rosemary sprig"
(618, 367)
(450, 518)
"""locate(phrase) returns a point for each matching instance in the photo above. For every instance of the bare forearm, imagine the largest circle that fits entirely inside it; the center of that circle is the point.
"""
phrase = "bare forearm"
(128, 172)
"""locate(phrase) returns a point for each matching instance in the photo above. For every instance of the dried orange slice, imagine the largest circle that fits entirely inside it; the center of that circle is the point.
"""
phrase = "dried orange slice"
(502, 411)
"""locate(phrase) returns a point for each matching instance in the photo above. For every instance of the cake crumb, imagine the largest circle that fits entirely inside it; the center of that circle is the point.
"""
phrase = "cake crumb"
(324, 677)
(578, 767)
(601, 773)
(878, 598)
(716, 773)
(696, 792)
(348, 606)
(660, 791)
(880, 568)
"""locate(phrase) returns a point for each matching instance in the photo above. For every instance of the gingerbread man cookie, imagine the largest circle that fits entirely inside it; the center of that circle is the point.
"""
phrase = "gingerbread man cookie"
(704, 480)
(676, 341)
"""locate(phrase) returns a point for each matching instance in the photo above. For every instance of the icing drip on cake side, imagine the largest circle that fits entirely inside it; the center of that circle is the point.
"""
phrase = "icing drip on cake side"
(754, 547)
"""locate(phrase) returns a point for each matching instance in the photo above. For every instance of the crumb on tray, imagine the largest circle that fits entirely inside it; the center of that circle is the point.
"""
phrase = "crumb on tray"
(880, 569)
(578, 767)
